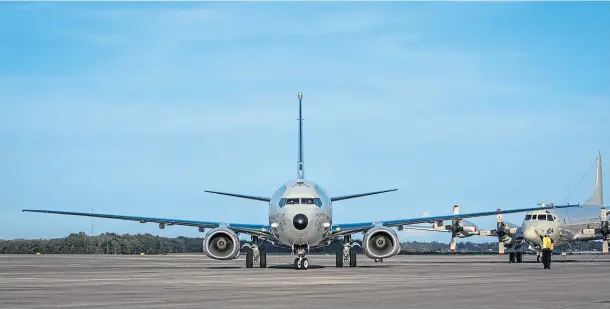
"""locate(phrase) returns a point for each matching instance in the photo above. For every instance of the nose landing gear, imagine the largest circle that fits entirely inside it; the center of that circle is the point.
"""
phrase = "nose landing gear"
(301, 262)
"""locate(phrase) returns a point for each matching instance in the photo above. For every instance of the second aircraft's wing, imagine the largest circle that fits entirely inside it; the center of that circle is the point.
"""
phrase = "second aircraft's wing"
(351, 228)
(252, 229)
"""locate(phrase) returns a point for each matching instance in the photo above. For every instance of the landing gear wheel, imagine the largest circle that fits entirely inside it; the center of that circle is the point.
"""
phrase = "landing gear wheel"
(519, 257)
(297, 263)
(339, 259)
(304, 263)
(263, 259)
(249, 259)
(352, 259)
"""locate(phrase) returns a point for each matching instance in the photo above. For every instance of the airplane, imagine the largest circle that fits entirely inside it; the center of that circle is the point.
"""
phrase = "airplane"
(584, 223)
(300, 218)
(566, 226)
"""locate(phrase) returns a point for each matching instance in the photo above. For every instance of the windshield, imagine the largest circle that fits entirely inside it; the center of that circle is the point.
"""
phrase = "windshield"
(541, 217)
(302, 200)
(528, 217)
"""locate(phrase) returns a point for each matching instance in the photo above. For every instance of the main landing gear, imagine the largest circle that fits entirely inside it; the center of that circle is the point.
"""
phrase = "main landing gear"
(255, 255)
(346, 255)
(301, 262)
(515, 257)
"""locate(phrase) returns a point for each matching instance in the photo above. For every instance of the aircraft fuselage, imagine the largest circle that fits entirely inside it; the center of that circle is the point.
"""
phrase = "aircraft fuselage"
(300, 213)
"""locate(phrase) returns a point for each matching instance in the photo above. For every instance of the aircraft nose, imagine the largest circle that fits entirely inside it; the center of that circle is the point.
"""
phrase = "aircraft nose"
(530, 234)
(300, 221)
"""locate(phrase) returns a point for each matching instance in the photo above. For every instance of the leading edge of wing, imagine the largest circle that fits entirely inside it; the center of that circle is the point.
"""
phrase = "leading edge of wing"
(245, 228)
(357, 227)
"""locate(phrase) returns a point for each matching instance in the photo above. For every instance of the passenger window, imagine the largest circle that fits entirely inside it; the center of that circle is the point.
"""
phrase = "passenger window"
(542, 217)
(292, 201)
(527, 217)
(306, 200)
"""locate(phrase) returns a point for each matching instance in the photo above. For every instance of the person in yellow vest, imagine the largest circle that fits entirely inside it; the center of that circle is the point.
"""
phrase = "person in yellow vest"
(547, 250)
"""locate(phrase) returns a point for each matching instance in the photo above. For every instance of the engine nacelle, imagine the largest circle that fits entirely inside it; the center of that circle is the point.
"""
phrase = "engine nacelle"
(221, 244)
(380, 242)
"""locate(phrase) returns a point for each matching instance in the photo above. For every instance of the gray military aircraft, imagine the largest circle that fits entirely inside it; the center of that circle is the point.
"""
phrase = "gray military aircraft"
(565, 226)
(301, 218)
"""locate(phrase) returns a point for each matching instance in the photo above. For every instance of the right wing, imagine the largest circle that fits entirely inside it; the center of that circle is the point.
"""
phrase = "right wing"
(251, 229)
(351, 228)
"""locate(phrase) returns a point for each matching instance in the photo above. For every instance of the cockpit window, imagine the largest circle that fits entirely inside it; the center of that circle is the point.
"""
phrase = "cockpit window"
(527, 217)
(306, 200)
(533, 217)
(541, 217)
(549, 218)
(292, 201)
(318, 202)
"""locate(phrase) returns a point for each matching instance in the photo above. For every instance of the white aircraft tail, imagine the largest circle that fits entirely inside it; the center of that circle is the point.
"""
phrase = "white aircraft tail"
(597, 198)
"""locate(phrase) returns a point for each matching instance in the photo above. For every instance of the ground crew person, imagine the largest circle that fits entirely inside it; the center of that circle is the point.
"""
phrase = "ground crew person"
(547, 249)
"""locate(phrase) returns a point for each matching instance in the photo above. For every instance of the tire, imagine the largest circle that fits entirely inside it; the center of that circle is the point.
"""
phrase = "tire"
(352, 259)
(263, 259)
(339, 259)
(297, 265)
(304, 263)
(249, 259)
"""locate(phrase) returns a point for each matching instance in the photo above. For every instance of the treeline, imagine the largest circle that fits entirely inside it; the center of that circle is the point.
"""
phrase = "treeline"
(111, 243)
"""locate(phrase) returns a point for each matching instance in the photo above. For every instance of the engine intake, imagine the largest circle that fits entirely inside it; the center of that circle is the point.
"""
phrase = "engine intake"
(221, 244)
(380, 242)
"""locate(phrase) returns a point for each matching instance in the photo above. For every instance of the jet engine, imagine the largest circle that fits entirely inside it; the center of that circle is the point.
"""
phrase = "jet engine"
(380, 242)
(221, 244)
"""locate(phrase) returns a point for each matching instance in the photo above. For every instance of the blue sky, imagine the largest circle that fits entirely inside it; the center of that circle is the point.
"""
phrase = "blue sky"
(137, 108)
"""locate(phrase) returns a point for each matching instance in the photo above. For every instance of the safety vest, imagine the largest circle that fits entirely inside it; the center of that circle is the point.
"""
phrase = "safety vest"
(546, 243)
(551, 245)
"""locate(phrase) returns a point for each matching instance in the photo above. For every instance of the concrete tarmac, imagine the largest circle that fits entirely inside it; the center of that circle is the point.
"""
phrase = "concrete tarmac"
(195, 281)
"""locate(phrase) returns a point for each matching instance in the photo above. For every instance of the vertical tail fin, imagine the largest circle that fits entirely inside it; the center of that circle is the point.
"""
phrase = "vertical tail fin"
(300, 168)
(597, 198)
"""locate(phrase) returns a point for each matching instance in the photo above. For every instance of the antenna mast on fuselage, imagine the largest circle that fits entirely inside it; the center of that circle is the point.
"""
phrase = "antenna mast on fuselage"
(300, 170)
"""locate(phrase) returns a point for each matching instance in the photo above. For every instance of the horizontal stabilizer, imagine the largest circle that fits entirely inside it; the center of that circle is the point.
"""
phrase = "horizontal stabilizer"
(250, 197)
(345, 197)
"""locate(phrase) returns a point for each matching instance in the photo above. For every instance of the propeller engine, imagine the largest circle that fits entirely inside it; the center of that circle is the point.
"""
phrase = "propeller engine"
(504, 231)
(459, 228)
(380, 242)
(221, 244)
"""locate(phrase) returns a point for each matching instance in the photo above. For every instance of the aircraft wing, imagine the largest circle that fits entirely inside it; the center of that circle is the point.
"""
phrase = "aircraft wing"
(351, 228)
(251, 229)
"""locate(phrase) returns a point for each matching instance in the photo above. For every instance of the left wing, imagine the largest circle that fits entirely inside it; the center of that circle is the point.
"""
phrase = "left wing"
(351, 228)
(252, 229)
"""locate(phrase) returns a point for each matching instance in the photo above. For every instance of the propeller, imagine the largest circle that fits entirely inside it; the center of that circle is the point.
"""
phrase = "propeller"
(504, 231)
(455, 228)
(604, 230)
(501, 232)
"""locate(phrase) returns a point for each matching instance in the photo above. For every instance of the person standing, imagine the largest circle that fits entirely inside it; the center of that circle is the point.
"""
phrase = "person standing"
(547, 247)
